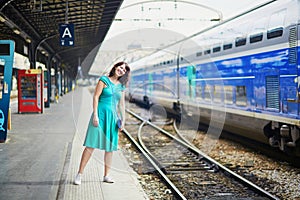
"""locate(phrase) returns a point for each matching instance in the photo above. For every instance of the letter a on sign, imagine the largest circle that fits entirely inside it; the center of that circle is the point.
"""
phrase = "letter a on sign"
(66, 32)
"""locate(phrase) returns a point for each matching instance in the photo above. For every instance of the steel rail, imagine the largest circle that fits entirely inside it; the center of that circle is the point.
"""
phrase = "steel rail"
(181, 137)
(156, 167)
(146, 149)
(211, 160)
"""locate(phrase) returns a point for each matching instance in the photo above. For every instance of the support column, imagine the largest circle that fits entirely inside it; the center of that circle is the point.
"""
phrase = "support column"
(56, 91)
(66, 89)
(47, 81)
(31, 55)
(61, 81)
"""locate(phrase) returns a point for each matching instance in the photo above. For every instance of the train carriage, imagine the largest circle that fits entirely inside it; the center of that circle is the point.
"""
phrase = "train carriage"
(247, 66)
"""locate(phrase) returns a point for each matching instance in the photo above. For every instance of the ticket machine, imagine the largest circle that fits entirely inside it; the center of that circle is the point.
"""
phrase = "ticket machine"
(7, 48)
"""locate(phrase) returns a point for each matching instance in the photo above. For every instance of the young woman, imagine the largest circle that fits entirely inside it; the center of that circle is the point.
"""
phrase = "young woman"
(102, 132)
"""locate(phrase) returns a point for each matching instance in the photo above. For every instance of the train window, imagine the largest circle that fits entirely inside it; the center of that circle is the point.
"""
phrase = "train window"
(216, 49)
(199, 54)
(241, 98)
(240, 41)
(207, 93)
(198, 91)
(228, 94)
(227, 46)
(218, 93)
(276, 32)
(256, 37)
(207, 52)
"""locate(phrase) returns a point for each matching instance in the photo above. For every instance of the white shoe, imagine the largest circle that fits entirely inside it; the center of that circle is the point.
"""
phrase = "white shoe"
(77, 179)
(108, 179)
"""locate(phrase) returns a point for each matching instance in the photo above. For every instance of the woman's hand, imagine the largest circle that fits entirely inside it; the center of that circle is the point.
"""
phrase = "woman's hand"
(95, 120)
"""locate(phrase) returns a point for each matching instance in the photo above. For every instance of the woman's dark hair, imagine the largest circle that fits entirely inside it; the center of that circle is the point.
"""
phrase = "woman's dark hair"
(123, 79)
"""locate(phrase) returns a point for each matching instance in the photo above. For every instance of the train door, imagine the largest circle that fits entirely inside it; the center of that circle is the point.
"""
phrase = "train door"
(149, 90)
(191, 75)
(190, 90)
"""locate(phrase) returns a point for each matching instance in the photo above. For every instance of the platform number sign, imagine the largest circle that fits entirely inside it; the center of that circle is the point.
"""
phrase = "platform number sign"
(66, 32)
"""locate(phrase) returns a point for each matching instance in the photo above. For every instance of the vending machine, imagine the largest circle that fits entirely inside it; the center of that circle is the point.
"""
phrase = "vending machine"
(30, 91)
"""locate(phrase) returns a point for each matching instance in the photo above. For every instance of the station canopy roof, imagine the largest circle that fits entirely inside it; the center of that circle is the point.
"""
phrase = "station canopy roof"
(35, 23)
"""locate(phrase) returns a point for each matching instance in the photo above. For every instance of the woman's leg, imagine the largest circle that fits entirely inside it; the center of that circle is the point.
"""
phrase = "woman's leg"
(86, 155)
(107, 162)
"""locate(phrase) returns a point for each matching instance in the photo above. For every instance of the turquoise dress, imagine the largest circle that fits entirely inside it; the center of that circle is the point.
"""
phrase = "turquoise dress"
(105, 136)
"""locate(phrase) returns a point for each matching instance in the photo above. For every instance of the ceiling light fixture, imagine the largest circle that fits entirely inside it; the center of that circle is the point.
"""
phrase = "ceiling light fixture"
(16, 31)
(28, 40)
(2, 19)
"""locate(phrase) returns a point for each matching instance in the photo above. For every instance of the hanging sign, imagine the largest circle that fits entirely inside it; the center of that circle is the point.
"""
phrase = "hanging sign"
(66, 33)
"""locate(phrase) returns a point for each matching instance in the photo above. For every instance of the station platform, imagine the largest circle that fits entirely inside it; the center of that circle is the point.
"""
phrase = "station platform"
(42, 154)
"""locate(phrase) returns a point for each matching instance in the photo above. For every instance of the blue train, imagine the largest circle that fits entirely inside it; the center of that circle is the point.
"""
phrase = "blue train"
(244, 71)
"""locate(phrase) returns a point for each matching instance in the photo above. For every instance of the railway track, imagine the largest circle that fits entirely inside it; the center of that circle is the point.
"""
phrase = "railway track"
(187, 171)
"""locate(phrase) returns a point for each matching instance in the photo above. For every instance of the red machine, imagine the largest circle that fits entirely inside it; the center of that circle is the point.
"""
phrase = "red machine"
(30, 91)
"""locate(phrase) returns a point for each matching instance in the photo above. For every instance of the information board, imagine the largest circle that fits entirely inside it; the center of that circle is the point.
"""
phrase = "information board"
(7, 48)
